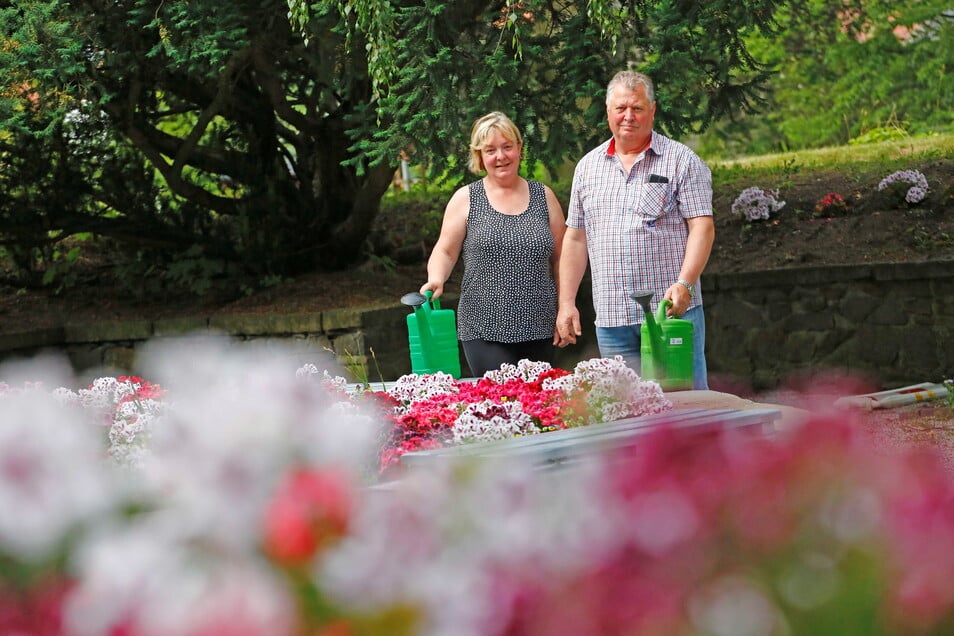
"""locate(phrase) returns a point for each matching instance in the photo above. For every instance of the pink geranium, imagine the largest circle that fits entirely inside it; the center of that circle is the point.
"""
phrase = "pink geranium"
(806, 529)
(309, 511)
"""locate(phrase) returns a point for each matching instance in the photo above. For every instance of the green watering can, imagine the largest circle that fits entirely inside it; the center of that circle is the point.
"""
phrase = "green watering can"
(431, 335)
(665, 346)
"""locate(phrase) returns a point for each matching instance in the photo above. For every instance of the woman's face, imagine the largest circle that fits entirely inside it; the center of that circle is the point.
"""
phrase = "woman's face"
(501, 156)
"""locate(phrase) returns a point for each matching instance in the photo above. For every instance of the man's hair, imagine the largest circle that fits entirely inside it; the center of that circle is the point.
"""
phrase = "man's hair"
(631, 80)
(483, 128)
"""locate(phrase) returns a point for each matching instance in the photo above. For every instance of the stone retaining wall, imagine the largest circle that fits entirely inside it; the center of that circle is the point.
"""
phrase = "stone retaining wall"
(891, 323)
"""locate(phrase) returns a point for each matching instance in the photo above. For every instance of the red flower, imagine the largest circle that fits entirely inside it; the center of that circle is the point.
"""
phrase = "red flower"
(37, 610)
(830, 204)
(429, 422)
(309, 510)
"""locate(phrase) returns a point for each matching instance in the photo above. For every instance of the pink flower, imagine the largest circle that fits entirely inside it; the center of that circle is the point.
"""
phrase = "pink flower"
(37, 610)
(830, 204)
(310, 510)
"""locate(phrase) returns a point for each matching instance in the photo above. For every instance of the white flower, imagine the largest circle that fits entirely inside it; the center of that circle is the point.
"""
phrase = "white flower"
(155, 578)
(237, 422)
(526, 370)
(412, 388)
(52, 477)
(755, 204)
(919, 184)
(613, 390)
(488, 420)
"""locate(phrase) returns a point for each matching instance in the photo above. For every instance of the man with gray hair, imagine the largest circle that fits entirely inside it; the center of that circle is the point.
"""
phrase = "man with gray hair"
(641, 214)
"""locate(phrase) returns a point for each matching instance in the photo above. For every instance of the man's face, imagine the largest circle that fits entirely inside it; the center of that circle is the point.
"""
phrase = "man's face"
(630, 116)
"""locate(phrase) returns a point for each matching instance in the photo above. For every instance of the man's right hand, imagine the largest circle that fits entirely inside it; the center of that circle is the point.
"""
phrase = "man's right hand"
(568, 326)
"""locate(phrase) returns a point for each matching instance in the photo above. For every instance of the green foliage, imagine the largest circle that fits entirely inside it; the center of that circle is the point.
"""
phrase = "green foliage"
(409, 218)
(60, 269)
(872, 159)
(550, 75)
(267, 131)
(859, 69)
(926, 240)
(145, 274)
(881, 133)
(193, 271)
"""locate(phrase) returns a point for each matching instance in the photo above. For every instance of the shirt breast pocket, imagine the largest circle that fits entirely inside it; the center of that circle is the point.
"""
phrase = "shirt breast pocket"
(652, 201)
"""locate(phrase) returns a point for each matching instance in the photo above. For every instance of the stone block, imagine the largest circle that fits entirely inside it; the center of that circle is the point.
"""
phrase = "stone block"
(919, 353)
(180, 326)
(856, 308)
(112, 331)
(741, 316)
(118, 357)
(914, 271)
(351, 343)
(812, 301)
(762, 345)
(800, 348)
(85, 356)
(31, 339)
(809, 321)
(889, 313)
(254, 325)
(340, 320)
(875, 346)
(319, 342)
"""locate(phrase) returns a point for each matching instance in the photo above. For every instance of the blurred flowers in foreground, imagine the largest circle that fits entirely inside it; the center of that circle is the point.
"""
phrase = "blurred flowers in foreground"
(255, 508)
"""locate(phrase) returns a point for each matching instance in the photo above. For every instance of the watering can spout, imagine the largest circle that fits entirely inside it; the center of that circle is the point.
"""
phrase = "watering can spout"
(422, 308)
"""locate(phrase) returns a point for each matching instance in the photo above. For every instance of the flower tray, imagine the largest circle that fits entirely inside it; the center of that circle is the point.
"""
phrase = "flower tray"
(556, 447)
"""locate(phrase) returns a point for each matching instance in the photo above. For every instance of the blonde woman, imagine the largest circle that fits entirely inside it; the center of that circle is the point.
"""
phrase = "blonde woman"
(508, 230)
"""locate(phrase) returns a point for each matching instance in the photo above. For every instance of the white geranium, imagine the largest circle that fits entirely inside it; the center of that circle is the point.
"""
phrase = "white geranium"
(756, 204)
(613, 390)
(912, 182)
(52, 478)
(412, 388)
(488, 420)
(526, 370)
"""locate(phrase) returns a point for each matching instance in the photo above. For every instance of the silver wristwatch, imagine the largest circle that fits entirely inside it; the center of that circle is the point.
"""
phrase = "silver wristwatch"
(689, 286)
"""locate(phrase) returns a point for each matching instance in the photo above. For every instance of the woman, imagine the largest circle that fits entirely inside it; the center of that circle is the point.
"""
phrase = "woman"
(509, 231)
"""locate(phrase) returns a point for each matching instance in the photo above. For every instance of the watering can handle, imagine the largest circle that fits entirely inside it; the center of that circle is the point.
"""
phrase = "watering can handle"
(435, 303)
(664, 304)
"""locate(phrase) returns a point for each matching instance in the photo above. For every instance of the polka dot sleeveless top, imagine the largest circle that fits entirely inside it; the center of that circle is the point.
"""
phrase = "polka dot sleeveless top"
(507, 292)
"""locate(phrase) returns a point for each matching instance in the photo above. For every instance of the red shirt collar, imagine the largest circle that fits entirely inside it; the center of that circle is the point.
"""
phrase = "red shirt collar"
(611, 149)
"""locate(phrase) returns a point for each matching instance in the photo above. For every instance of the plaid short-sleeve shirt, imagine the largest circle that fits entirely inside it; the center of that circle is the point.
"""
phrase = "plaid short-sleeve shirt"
(635, 223)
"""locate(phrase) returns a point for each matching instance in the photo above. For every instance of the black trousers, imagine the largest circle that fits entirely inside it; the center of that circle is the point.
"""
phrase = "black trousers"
(484, 355)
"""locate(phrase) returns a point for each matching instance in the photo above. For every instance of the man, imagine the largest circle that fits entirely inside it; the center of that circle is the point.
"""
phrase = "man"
(641, 213)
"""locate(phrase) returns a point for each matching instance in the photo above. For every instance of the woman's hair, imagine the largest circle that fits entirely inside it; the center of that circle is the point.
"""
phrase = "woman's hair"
(631, 80)
(484, 128)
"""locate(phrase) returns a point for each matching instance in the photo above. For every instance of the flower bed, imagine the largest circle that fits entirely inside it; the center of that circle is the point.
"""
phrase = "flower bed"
(435, 410)
(249, 511)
